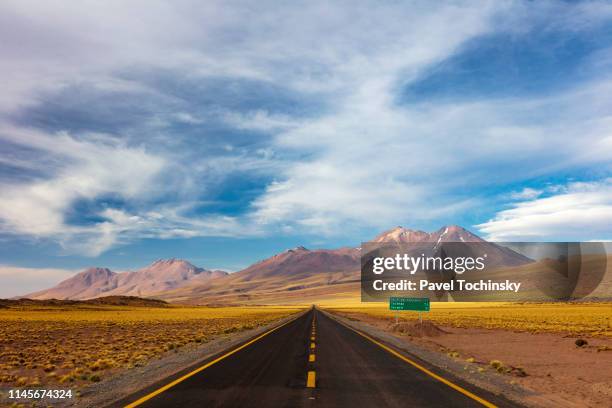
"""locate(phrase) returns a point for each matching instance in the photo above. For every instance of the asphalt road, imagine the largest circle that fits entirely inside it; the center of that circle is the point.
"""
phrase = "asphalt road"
(349, 370)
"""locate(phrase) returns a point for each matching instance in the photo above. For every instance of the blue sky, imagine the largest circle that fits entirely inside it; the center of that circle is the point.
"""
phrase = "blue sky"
(226, 132)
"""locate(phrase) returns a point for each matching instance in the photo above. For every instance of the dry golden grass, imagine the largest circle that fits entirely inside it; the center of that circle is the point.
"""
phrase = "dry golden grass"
(591, 319)
(80, 345)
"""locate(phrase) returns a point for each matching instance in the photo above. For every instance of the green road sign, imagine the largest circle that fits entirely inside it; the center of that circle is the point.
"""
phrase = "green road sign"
(403, 303)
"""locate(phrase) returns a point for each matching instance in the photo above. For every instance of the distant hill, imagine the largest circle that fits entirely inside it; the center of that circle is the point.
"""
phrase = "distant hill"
(107, 301)
(160, 276)
(280, 277)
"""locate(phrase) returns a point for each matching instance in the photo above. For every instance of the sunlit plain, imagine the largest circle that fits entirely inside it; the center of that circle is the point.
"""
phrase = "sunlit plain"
(593, 319)
(45, 345)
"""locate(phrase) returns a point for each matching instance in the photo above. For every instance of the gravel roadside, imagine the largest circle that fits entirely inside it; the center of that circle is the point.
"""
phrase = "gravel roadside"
(489, 381)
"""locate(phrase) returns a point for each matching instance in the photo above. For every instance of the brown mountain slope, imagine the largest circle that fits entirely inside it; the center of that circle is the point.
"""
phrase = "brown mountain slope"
(162, 275)
(276, 278)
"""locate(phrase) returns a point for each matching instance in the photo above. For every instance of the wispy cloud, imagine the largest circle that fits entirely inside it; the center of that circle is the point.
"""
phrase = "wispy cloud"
(92, 169)
(382, 163)
(299, 117)
(580, 211)
(525, 194)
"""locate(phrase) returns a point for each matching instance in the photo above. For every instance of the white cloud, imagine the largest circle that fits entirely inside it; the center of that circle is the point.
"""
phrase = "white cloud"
(89, 169)
(367, 161)
(290, 47)
(20, 281)
(526, 194)
(361, 160)
(582, 211)
(186, 117)
(92, 169)
(260, 120)
(380, 164)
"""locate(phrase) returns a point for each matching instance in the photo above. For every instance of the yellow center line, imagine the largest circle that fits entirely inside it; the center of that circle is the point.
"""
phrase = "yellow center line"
(204, 367)
(425, 370)
(311, 380)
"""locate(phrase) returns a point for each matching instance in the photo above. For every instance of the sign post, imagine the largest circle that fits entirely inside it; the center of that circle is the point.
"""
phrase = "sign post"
(404, 303)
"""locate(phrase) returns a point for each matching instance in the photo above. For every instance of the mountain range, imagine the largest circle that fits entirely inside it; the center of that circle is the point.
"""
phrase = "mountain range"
(293, 276)
(160, 276)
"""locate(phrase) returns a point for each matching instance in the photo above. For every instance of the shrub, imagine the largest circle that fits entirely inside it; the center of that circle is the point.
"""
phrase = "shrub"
(21, 381)
(67, 378)
(581, 342)
(496, 364)
(519, 372)
(101, 364)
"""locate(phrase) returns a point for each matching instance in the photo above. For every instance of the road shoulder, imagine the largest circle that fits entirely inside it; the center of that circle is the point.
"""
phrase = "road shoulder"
(490, 382)
(118, 387)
